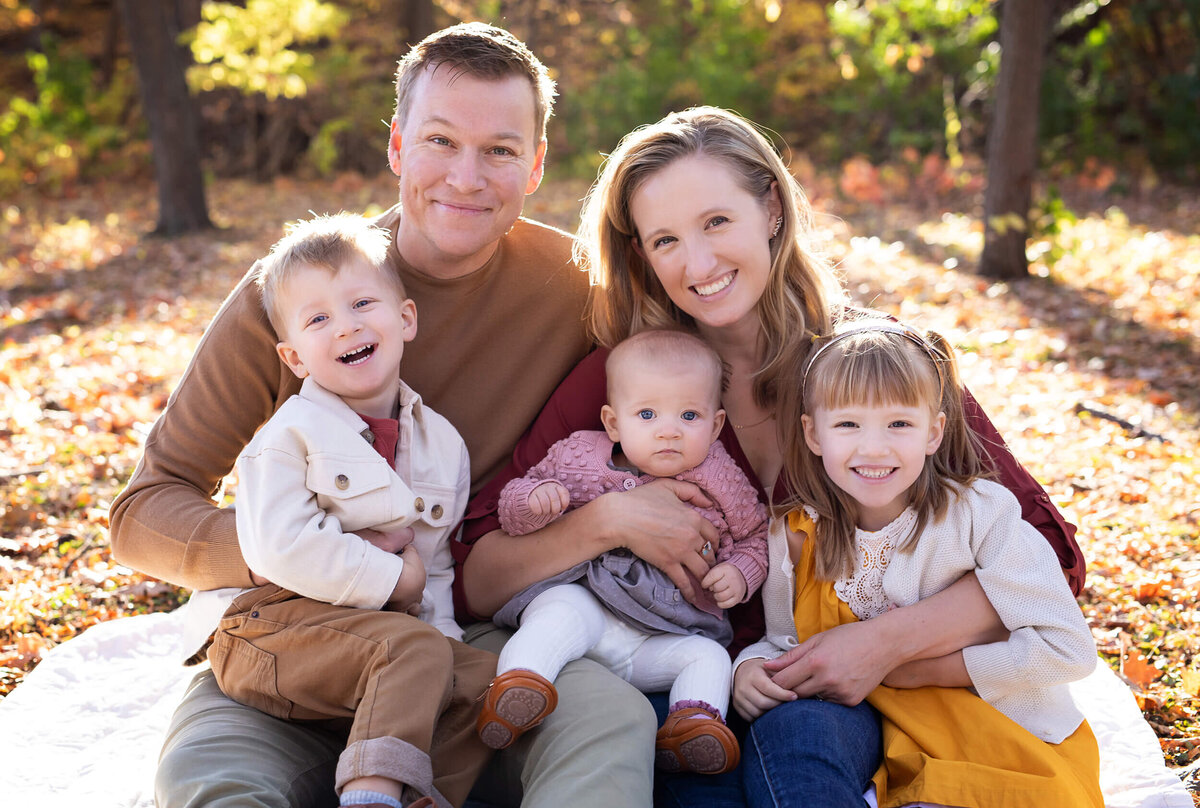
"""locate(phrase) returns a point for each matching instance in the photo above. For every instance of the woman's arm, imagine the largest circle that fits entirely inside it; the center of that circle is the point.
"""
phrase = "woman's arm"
(847, 662)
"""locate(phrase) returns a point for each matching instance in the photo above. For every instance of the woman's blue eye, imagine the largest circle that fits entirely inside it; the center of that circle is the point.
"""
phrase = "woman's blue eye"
(690, 415)
(645, 415)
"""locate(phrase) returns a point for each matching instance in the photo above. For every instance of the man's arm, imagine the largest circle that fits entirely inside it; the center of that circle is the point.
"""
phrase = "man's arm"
(166, 522)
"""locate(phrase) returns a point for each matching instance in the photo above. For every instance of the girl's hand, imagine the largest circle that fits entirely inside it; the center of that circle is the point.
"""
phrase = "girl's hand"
(754, 692)
(727, 585)
(842, 665)
(549, 499)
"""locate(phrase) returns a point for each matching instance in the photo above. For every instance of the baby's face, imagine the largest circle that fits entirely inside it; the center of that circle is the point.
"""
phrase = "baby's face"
(665, 418)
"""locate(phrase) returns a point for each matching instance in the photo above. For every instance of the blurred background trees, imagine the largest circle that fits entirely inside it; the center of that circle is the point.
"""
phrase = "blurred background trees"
(303, 86)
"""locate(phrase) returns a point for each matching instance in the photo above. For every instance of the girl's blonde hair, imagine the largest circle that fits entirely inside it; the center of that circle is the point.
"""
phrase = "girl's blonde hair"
(874, 361)
(802, 288)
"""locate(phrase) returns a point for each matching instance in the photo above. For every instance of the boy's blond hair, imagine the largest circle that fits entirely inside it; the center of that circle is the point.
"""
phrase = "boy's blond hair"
(326, 242)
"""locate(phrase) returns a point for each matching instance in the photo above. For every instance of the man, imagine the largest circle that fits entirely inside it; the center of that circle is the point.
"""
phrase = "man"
(500, 324)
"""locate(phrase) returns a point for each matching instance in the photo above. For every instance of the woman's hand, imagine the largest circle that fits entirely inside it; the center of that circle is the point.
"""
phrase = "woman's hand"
(657, 523)
(843, 664)
(754, 692)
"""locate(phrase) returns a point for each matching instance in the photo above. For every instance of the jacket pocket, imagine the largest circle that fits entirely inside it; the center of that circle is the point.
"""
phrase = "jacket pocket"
(353, 487)
(436, 505)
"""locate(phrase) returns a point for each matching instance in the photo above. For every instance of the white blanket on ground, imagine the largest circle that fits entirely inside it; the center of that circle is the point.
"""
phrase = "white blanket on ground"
(85, 726)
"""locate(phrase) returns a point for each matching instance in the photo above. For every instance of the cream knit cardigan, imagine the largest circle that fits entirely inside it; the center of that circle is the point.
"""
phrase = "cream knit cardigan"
(1024, 677)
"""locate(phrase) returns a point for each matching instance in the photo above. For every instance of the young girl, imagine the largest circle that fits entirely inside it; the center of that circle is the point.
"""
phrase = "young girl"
(662, 421)
(891, 507)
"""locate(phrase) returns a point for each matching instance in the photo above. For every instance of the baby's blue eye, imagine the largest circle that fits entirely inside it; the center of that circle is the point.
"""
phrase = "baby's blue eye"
(690, 415)
(645, 415)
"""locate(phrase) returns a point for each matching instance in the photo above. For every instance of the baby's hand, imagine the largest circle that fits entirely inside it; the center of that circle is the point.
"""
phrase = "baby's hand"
(754, 692)
(726, 583)
(549, 499)
(408, 590)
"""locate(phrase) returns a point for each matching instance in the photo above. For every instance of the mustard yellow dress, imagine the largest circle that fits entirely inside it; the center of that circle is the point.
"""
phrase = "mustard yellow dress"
(946, 745)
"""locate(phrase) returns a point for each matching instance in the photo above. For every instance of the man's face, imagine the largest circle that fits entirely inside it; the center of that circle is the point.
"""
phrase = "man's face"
(466, 157)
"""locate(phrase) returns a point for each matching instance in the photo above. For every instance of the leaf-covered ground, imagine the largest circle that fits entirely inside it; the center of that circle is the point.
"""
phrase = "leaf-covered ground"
(1091, 369)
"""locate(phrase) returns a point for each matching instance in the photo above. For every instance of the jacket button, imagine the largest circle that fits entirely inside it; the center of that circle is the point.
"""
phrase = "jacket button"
(436, 511)
(419, 504)
(342, 482)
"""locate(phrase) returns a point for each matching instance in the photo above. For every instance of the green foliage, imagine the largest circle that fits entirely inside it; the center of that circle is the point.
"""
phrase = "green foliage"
(1123, 84)
(251, 48)
(908, 67)
(59, 135)
(1051, 225)
(665, 55)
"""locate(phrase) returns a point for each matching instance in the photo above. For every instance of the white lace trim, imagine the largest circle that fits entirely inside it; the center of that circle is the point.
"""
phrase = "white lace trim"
(863, 591)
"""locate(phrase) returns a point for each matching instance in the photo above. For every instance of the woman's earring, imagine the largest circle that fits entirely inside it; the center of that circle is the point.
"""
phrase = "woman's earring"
(778, 224)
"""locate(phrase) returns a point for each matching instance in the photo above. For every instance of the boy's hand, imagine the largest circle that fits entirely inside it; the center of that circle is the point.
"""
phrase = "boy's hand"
(391, 542)
(411, 586)
(754, 692)
(726, 584)
(549, 499)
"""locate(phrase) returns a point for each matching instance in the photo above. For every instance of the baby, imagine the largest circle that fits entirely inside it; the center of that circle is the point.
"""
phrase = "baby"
(662, 420)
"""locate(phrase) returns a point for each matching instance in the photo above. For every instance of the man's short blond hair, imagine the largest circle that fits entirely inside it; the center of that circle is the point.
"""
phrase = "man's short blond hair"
(327, 242)
(482, 51)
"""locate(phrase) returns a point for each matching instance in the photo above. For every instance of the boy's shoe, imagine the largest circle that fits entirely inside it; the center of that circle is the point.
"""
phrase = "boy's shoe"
(515, 702)
(693, 739)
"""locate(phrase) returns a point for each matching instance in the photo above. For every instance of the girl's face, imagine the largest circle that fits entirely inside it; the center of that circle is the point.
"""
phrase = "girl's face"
(874, 453)
(706, 238)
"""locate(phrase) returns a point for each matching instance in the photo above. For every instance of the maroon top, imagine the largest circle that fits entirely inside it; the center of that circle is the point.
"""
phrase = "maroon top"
(576, 405)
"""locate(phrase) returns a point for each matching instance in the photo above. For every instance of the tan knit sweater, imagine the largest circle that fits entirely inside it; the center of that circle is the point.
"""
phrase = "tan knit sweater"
(490, 348)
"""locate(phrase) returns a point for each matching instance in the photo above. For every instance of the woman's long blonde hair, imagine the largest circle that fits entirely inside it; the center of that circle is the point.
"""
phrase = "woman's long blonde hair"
(802, 288)
(874, 360)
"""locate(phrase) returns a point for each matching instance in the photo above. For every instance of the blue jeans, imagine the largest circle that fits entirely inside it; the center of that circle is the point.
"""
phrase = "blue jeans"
(802, 753)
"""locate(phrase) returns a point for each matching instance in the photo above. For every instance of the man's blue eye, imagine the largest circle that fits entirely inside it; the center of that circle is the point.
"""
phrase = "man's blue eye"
(646, 415)
(690, 415)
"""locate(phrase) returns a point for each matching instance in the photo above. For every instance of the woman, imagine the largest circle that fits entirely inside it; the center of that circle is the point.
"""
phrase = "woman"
(695, 221)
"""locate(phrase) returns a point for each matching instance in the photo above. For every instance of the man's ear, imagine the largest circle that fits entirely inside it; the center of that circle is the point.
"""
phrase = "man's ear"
(608, 417)
(810, 434)
(937, 430)
(394, 142)
(539, 168)
(290, 358)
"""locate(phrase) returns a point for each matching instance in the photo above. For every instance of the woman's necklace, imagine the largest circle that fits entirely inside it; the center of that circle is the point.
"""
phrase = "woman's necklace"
(759, 422)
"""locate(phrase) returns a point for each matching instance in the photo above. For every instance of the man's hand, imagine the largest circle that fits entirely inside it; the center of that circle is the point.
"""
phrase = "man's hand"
(657, 524)
(727, 585)
(408, 591)
(391, 542)
(754, 692)
(842, 665)
(549, 499)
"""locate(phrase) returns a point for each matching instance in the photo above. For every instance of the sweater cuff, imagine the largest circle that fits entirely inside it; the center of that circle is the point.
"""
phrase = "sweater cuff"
(992, 671)
(754, 572)
(516, 519)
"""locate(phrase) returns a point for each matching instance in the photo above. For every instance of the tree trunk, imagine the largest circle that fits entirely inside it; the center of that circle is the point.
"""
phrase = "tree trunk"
(153, 27)
(418, 20)
(1012, 141)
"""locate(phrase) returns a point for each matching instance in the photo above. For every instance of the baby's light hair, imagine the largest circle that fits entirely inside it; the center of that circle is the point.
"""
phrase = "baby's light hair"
(666, 348)
(326, 242)
(874, 361)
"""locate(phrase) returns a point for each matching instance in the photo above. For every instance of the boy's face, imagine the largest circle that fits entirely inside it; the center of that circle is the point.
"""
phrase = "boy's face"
(664, 417)
(347, 330)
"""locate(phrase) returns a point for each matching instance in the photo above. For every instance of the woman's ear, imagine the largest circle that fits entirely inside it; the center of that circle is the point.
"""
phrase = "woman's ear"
(774, 203)
(637, 248)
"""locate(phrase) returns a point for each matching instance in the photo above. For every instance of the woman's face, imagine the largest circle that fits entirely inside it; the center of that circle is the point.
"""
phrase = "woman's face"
(706, 238)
